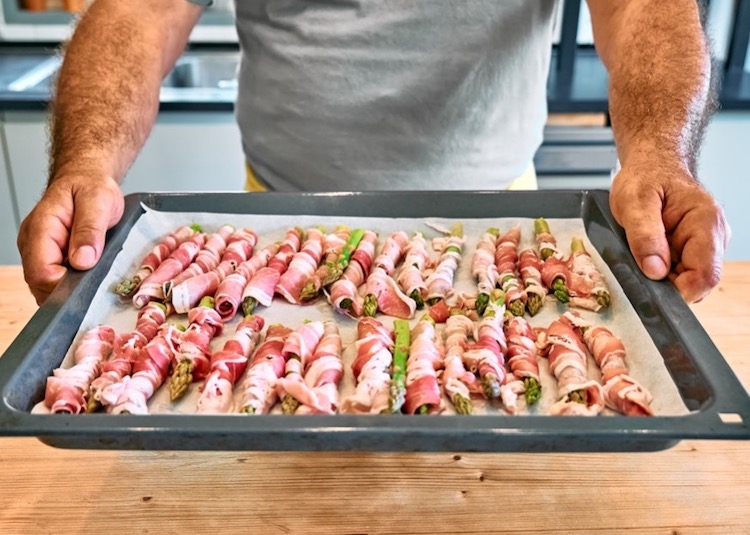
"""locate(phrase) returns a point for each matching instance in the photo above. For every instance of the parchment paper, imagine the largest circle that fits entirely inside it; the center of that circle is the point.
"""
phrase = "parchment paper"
(645, 363)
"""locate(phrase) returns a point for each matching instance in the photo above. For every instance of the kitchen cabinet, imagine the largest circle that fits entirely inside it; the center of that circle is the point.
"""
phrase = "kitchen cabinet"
(8, 221)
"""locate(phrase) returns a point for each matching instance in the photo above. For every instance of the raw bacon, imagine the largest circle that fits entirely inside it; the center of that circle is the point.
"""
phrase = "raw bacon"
(577, 395)
(152, 287)
(314, 385)
(229, 293)
(506, 257)
(522, 357)
(440, 281)
(228, 365)
(530, 267)
(328, 270)
(344, 295)
(68, 388)
(262, 285)
(157, 255)
(208, 258)
(483, 267)
(258, 394)
(411, 277)
(191, 361)
(621, 392)
(374, 357)
(131, 395)
(458, 382)
(580, 264)
(302, 267)
(422, 389)
(381, 291)
(127, 349)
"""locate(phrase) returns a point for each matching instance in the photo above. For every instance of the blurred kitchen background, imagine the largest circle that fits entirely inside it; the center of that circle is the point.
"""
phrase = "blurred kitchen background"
(195, 144)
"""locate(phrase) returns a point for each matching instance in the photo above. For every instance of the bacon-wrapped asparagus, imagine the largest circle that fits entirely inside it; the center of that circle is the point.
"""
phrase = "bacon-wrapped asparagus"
(425, 359)
(152, 287)
(371, 368)
(192, 359)
(530, 266)
(440, 281)
(522, 357)
(208, 258)
(258, 394)
(343, 295)
(127, 287)
(506, 257)
(299, 346)
(261, 287)
(185, 294)
(68, 388)
(340, 247)
(397, 392)
(458, 382)
(545, 240)
(229, 294)
(126, 349)
(581, 264)
(621, 392)
(302, 266)
(562, 345)
(314, 385)
(382, 292)
(411, 277)
(228, 365)
(483, 267)
(131, 395)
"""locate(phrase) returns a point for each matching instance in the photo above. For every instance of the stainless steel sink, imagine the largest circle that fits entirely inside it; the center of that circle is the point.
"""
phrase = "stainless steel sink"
(204, 73)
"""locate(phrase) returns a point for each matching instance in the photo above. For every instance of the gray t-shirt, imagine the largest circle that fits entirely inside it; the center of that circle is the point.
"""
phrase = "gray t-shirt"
(345, 95)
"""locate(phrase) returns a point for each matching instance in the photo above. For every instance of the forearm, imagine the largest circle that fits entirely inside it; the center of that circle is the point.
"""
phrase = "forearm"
(660, 79)
(107, 94)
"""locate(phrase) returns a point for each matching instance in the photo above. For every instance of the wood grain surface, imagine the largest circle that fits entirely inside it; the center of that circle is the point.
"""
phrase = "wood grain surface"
(697, 487)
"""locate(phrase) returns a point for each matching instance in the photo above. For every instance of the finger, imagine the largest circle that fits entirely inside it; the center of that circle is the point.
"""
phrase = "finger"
(95, 211)
(700, 266)
(644, 228)
(41, 244)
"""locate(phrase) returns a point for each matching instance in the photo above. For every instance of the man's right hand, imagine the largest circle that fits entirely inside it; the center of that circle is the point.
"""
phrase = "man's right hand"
(67, 228)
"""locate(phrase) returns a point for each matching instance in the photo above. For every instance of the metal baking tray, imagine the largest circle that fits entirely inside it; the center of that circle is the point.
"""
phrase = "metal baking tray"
(719, 405)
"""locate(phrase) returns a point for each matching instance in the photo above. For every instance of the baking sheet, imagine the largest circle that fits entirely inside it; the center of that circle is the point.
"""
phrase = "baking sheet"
(644, 358)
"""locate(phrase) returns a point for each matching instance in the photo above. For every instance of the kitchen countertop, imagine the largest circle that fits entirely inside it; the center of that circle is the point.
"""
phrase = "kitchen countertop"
(697, 487)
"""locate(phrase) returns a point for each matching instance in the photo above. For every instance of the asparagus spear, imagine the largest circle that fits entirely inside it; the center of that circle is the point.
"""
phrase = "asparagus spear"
(541, 226)
(370, 306)
(490, 382)
(534, 303)
(602, 294)
(289, 404)
(463, 405)
(457, 229)
(400, 356)
(533, 392)
(182, 375)
(560, 290)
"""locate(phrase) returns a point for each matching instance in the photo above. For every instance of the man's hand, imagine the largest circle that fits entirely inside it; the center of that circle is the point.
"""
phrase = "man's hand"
(674, 227)
(67, 227)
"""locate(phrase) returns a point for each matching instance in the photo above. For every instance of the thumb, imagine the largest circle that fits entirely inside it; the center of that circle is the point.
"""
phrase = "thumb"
(95, 210)
(647, 238)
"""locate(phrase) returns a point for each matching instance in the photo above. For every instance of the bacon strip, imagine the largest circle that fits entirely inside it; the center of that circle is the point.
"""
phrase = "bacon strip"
(425, 359)
(374, 358)
(262, 285)
(440, 281)
(127, 348)
(229, 293)
(456, 379)
(355, 274)
(302, 267)
(131, 395)
(381, 288)
(208, 258)
(68, 388)
(228, 365)
(567, 360)
(151, 288)
(258, 394)
(411, 277)
(521, 348)
(315, 384)
(621, 392)
(506, 257)
(530, 268)
(205, 324)
(483, 267)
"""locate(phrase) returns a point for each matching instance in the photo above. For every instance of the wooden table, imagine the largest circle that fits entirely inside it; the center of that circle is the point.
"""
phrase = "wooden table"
(697, 487)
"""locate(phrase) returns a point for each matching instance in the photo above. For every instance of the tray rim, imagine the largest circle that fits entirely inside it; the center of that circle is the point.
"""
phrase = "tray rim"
(477, 433)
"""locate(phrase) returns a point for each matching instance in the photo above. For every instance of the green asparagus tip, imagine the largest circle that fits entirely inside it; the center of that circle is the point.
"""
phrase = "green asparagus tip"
(92, 405)
(576, 245)
(494, 231)
(546, 253)
(127, 287)
(346, 304)
(481, 304)
(533, 390)
(396, 397)
(207, 302)
(560, 291)
(603, 298)
(517, 307)
(247, 410)
(289, 404)
(534, 303)
(540, 225)
(433, 301)
(180, 327)
(182, 376)
(417, 296)
(370, 305)
(457, 229)
(196, 227)
(462, 404)
(309, 291)
(424, 409)
(578, 396)
(248, 305)
(491, 386)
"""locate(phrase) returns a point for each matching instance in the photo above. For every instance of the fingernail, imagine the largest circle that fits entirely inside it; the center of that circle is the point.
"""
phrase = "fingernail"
(654, 267)
(84, 257)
